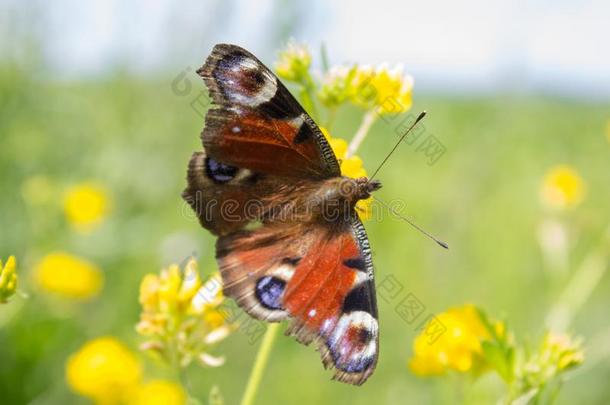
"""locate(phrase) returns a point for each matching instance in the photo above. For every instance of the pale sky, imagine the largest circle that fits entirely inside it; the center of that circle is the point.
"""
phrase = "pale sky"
(559, 47)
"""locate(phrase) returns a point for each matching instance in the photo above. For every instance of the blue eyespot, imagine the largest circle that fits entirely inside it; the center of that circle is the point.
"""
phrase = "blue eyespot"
(219, 172)
(269, 291)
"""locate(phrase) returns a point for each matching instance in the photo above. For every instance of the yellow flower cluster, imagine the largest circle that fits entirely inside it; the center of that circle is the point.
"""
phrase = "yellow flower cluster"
(8, 279)
(557, 353)
(107, 372)
(562, 350)
(180, 315)
(294, 62)
(351, 166)
(562, 188)
(457, 348)
(387, 90)
(86, 205)
(469, 342)
(68, 276)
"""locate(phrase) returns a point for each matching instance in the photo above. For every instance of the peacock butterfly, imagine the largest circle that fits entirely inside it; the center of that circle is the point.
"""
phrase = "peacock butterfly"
(290, 243)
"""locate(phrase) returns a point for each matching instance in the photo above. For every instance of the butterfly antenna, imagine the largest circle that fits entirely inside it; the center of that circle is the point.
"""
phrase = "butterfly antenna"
(419, 118)
(413, 224)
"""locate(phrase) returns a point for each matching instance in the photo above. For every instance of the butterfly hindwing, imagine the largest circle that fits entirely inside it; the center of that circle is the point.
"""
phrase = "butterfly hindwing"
(214, 189)
(338, 312)
(256, 123)
(321, 279)
(257, 265)
(227, 199)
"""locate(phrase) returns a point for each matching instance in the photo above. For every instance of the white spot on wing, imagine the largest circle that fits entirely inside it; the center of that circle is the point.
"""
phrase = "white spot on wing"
(361, 277)
(350, 354)
(297, 121)
(284, 272)
(248, 64)
(267, 90)
(241, 175)
(326, 325)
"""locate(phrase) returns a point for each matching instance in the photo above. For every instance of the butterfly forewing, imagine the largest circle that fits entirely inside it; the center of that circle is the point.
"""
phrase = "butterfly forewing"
(256, 123)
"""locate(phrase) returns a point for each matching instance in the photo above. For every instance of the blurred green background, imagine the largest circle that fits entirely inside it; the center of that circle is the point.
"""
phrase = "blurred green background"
(132, 133)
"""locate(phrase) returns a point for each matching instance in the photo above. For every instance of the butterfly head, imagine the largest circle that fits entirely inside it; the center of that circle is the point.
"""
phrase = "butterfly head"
(365, 187)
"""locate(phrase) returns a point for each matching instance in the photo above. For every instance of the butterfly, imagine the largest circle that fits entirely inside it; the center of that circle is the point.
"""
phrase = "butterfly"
(290, 243)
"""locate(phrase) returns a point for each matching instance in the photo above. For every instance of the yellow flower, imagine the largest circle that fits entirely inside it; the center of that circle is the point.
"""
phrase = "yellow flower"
(209, 296)
(171, 291)
(190, 283)
(562, 188)
(214, 318)
(180, 315)
(350, 167)
(148, 292)
(457, 346)
(294, 62)
(337, 86)
(8, 279)
(104, 370)
(387, 90)
(169, 285)
(159, 392)
(69, 276)
(393, 89)
(86, 205)
(608, 130)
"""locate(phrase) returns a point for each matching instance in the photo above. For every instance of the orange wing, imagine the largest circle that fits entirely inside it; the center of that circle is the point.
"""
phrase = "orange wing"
(256, 123)
(321, 279)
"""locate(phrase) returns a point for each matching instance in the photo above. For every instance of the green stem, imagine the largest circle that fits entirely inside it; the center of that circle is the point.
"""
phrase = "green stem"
(324, 57)
(367, 122)
(308, 96)
(580, 287)
(259, 364)
(186, 385)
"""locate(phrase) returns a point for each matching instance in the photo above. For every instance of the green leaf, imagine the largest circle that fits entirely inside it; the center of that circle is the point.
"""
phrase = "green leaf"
(499, 359)
(487, 323)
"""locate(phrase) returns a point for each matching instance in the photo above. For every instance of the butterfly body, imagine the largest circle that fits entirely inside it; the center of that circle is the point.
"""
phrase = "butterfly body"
(290, 244)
